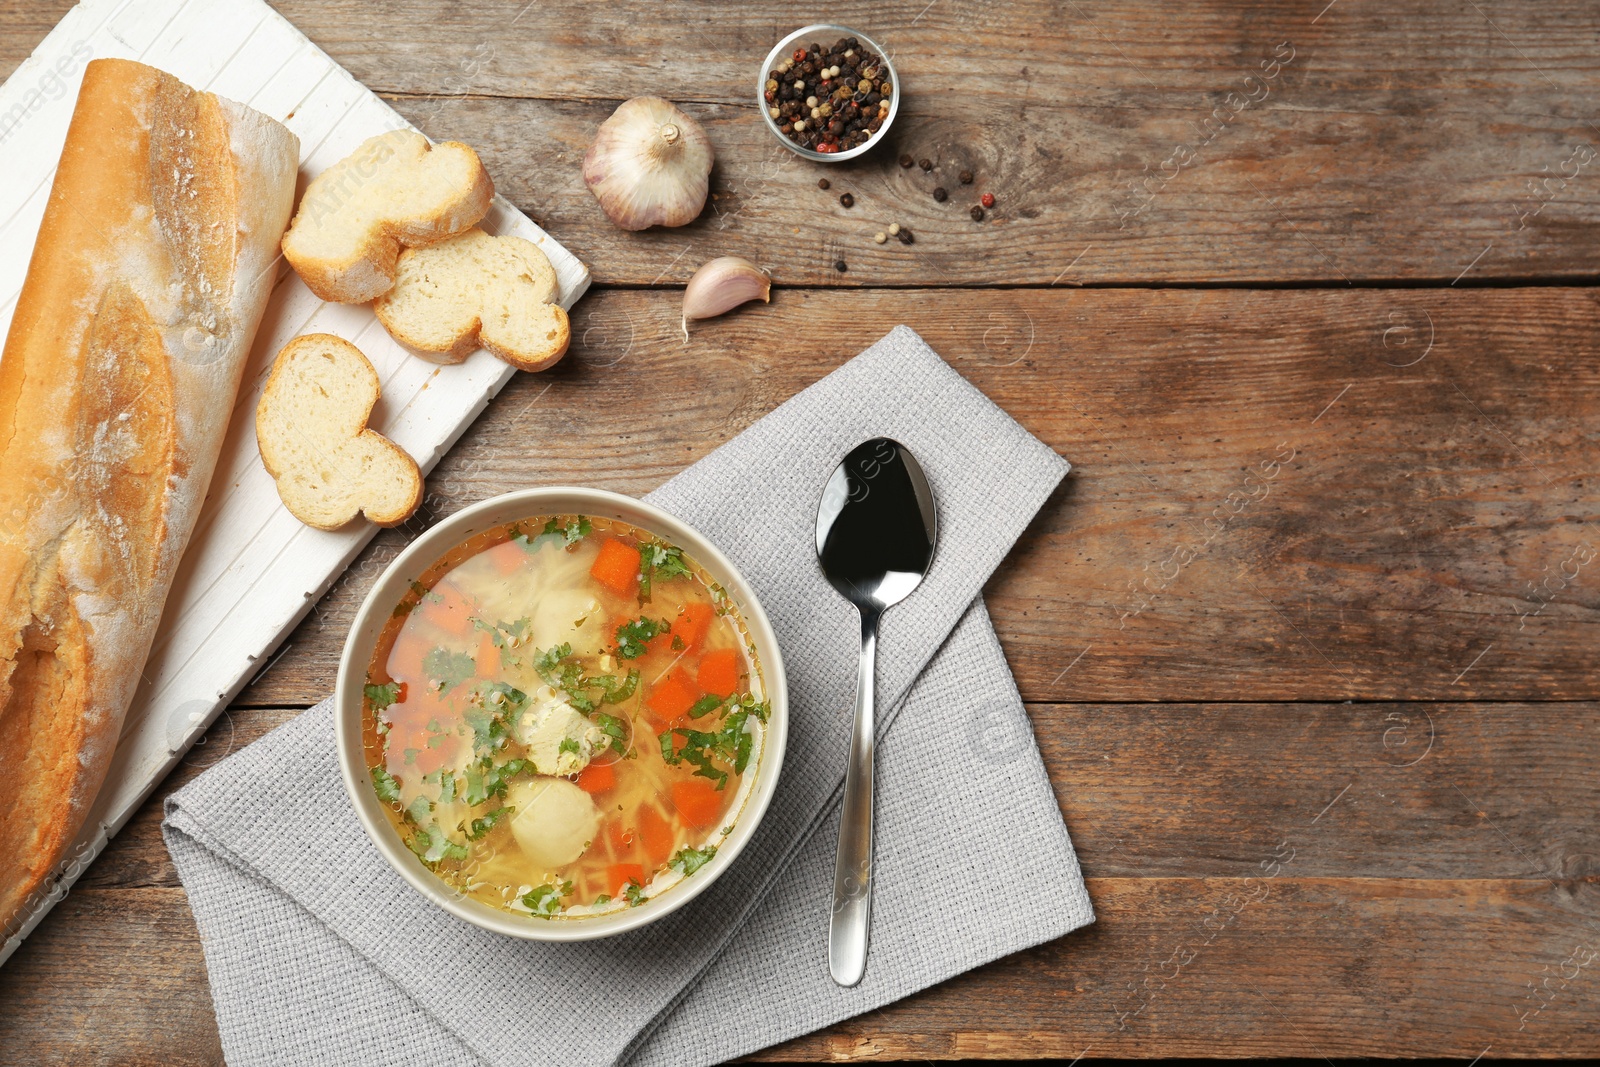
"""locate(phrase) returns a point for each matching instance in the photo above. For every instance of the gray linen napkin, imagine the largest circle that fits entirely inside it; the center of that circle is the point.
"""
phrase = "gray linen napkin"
(319, 954)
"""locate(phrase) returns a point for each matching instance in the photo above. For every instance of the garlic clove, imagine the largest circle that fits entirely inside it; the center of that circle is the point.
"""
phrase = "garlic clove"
(721, 285)
(650, 165)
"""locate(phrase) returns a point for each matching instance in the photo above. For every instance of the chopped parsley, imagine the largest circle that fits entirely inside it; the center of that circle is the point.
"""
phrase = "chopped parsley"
(495, 706)
(689, 860)
(704, 706)
(634, 893)
(432, 846)
(557, 667)
(569, 744)
(568, 534)
(478, 827)
(447, 669)
(386, 785)
(614, 728)
(420, 809)
(381, 696)
(506, 635)
(545, 900)
(633, 636)
(658, 562)
(729, 745)
(486, 780)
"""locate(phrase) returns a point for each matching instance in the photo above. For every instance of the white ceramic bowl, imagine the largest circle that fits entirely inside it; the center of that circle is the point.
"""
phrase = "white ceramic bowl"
(757, 784)
(825, 32)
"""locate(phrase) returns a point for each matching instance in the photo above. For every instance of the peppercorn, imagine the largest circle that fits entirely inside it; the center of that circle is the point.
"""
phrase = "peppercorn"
(880, 237)
(966, 177)
(939, 194)
(840, 266)
(906, 161)
(905, 236)
(894, 229)
(822, 183)
(847, 200)
(977, 213)
(925, 163)
(987, 199)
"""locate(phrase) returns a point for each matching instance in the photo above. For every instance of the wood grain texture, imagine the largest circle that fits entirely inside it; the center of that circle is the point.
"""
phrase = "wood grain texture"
(1395, 141)
(1342, 881)
(1392, 536)
(1357, 482)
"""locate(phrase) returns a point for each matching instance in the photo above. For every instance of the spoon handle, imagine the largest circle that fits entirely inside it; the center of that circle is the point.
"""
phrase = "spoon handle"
(852, 865)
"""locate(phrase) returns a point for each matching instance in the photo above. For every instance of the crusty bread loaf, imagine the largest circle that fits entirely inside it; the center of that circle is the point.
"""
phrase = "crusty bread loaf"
(499, 292)
(395, 190)
(311, 427)
(150, 273)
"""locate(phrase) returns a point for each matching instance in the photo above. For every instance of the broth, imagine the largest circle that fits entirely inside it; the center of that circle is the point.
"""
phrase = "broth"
(560, 716)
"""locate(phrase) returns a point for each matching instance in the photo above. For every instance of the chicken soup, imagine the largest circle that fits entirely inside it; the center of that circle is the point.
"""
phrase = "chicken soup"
(562, 715)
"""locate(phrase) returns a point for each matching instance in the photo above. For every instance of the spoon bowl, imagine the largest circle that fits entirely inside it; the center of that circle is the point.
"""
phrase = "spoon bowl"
(877, 526)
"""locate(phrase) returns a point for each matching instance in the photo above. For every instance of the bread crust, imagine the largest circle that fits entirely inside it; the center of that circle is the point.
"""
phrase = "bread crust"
(396, 184)
(300, 448)
(151, 271)
(460, 328)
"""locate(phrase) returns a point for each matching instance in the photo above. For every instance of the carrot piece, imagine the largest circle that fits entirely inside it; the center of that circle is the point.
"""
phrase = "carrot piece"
(719, 671)
(655, 834)
(692, 623)
(620, 836)
(618, 875)
(698, 802)
(488, 658)
(447, 608)
(617, 567)
(597, 778)
(508, 557)
(672, 696)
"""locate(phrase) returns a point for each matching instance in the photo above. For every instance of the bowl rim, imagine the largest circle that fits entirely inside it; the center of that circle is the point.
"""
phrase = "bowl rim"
(429, 547)
(782, 48)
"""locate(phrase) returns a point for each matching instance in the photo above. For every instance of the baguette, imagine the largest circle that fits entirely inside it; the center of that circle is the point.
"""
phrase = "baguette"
(150, 274)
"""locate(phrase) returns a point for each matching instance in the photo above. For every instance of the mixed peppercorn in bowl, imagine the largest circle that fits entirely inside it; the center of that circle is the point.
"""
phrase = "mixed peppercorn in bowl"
(828, 92)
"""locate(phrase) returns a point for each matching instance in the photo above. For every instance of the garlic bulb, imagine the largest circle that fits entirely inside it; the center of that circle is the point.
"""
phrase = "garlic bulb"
(650, 165)
(721, 285)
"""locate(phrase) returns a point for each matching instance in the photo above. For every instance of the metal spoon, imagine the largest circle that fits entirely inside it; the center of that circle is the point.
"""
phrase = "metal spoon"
(876, 528)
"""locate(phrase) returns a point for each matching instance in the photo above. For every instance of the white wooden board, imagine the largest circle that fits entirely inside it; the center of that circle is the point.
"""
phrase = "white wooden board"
(251, 571)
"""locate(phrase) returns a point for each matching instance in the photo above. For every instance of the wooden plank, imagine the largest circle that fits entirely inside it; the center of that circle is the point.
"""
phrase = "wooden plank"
(1289, 966)
(1344, 879)
(1208, 790)
(1399, 141)
(1267, 503)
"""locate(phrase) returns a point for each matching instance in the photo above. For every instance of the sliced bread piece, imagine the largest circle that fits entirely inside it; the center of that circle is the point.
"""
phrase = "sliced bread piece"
(395, 190)
(311, 427)
(498, 292)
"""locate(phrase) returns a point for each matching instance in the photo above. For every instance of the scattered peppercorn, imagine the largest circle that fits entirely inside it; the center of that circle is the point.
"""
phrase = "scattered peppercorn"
(906, 161)
(977, 213)
(966, 177)
(840, 266)
(894, 228)
(822, 183)
(940, 195)
(987, 199)
(905, 236)
(830, 98)
(847, 200)
(925, 163)
(880, 237)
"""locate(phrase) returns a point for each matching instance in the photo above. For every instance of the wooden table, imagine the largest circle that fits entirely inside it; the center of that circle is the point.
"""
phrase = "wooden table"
(1352, 244)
